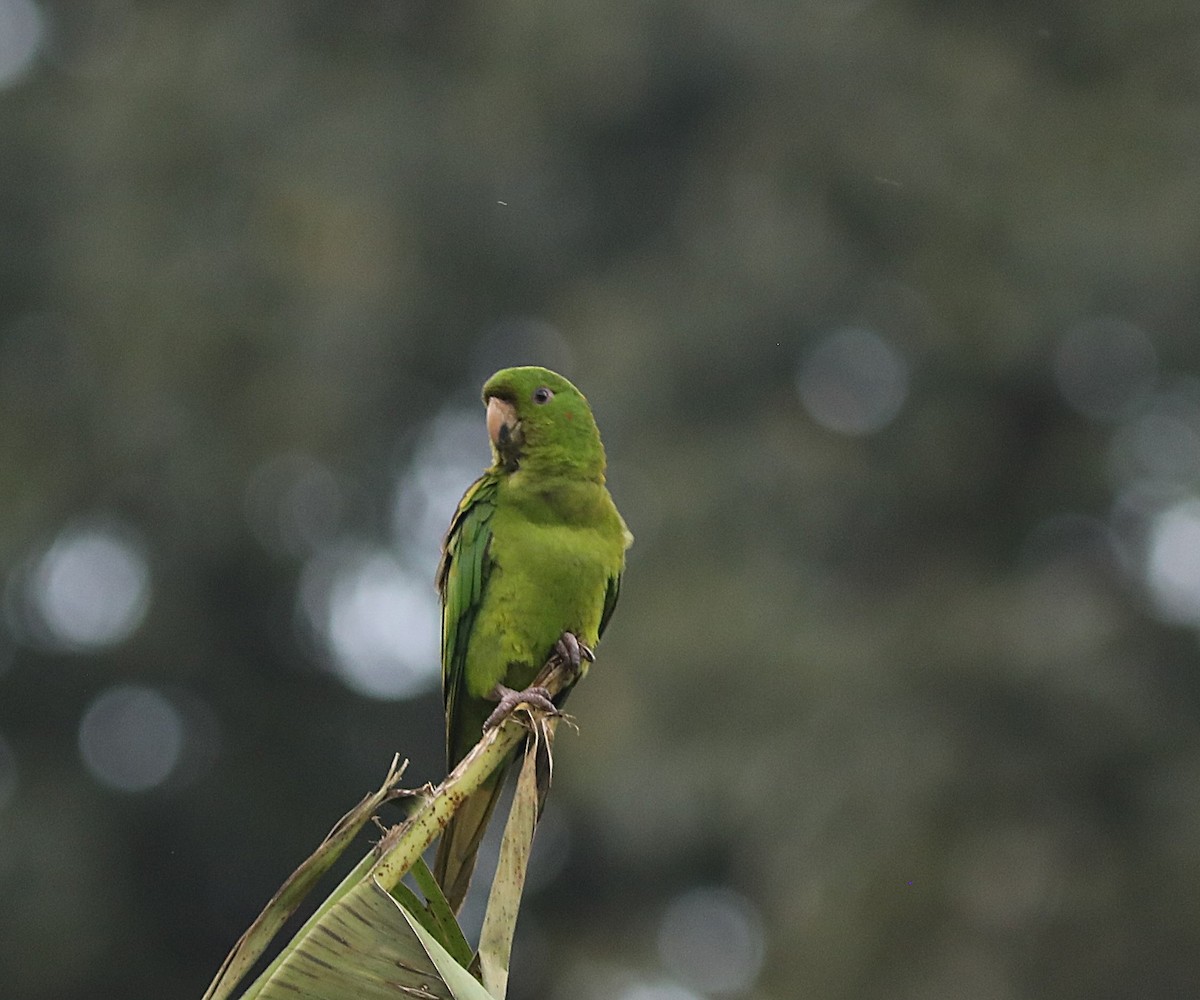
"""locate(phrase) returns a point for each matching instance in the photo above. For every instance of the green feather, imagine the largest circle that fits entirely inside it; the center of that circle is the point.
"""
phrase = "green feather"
(536, 548)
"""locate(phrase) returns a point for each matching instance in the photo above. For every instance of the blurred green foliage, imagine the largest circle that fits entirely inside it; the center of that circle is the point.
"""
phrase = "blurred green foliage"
(907, 693)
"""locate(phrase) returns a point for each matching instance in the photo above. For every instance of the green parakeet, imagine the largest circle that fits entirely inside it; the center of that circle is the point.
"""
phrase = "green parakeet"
(533, 559)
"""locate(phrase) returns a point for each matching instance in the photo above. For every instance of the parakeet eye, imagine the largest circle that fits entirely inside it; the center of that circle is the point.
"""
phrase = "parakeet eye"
(542, 396)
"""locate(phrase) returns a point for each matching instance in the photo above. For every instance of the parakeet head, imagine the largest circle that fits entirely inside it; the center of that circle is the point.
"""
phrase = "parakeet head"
(535, 417)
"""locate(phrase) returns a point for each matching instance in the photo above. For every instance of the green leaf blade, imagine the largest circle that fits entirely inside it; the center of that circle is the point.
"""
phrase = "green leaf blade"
(369, 947)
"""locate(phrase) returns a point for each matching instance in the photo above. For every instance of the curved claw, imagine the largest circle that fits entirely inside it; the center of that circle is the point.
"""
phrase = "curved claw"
(538, 697)
(573, 651)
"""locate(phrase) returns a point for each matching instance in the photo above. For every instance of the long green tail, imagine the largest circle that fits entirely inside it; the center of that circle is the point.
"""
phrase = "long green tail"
(460, 841)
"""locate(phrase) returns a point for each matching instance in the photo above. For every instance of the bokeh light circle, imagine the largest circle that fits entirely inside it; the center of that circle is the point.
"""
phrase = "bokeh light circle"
(379, 622)
(853, 382)
(91, 588)
(22, 29)
(1104, 366)
(1173, 563)
(293, 504)
(658, 991)
(130, 738)
(452, 452)
(711, 939)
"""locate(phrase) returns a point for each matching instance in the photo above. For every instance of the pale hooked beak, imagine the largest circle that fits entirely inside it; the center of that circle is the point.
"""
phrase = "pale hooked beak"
(501, 420)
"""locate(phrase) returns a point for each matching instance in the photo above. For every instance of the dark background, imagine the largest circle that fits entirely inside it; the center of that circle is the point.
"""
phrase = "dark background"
(888, 313)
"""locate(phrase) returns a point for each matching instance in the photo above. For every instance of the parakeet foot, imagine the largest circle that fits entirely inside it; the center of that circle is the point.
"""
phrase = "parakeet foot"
(573, 651)
(509, 699)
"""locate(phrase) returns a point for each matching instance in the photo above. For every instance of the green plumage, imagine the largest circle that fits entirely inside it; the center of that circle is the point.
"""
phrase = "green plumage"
(535, 549)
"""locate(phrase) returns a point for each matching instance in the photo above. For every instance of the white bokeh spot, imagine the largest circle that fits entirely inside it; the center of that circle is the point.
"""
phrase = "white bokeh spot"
(379, 622)
(130, 738)
(22, 30)
(853, 382)
(91, 589)
(711, 938)
(1173, 563)
(452, 454)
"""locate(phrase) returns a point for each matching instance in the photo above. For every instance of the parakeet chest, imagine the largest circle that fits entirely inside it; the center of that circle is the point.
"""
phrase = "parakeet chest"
(547, 579)
(548, 575)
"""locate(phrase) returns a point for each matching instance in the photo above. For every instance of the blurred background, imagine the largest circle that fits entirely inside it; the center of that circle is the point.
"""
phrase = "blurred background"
(888, 313)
